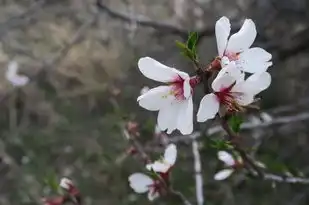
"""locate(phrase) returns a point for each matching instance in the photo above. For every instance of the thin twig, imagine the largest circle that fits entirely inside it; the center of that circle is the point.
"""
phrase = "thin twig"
(198, 173)
(286, 179)
(234, 138)
(181, 197)
(139, 148)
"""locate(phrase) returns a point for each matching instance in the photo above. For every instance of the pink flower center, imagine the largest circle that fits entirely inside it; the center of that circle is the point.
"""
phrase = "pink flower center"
(178, 86)
(231, 56)
(227, 98)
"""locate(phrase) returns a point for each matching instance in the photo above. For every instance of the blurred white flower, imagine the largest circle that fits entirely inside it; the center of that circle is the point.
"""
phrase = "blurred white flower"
(144, 90)
(237, 47)
(231, 91)
(66, 183)
(13, 77)
(173, 101)
(142, 183)
(163, 165)
(229, 161)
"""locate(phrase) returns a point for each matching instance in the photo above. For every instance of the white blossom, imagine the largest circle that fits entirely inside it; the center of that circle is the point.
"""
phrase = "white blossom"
(173, 101)
(13, 77)
(237, 47)
(163, 165)
(142, 183)
(223, 174)
(66, 183)
(231, 91)
(229, 162)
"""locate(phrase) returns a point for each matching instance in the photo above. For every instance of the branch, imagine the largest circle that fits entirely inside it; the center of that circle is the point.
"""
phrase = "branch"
(198, 173)
(164, 27)
(139, 148)
(286, 179)
(142, 21)
(245, 126)
(181, 197)
(233, 138)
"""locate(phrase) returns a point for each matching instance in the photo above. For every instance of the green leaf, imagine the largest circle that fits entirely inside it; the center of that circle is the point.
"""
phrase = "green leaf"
(235, 122)
(52, 182)
(192, 40)
(220, 144)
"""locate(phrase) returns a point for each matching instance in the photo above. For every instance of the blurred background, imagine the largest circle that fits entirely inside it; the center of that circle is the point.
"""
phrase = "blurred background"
(81, 58)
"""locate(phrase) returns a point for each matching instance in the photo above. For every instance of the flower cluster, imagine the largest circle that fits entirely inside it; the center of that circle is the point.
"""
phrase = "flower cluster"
(160, 169)
(232, 89)
(231, 164)
(71, 194)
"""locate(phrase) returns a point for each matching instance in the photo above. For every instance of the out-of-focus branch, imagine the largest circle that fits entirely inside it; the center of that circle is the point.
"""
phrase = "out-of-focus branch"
(164, 27)
(234, 138)
(181, 197)
(285, 179)
(198, 173)
(246, 126)
(138, 147)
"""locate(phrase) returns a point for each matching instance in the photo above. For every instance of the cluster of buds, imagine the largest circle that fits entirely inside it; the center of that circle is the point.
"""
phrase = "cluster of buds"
(157, 184)
(71, 194)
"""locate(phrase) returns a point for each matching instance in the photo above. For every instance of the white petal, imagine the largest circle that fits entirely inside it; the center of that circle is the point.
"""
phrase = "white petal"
(158, 166)
(222, 29)
(152, 195)
(19, 80)
(258, 82)
(223, 174)
(243, 39)
(243, 98)
(232, 70)
(224, 61)
(66, 183)
(254, 60)
(12, 69)
(168, 117)
(140, 182)
(144, 90)
(187, 88)
(222, 81)
(155, 70)
(185, 117)
(209, 107)
(226, 157)
(243, 93)
(170, 154)
(155, 98)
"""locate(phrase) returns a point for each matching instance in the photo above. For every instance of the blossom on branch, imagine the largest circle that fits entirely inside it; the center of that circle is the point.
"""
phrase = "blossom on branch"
(167, 162)
(173, 101)
(13, 77)
(229, 162)
(142, 183)
(237, 47)
(231, 92)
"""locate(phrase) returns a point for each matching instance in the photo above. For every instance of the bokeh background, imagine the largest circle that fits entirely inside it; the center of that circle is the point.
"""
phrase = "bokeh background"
(81, 59)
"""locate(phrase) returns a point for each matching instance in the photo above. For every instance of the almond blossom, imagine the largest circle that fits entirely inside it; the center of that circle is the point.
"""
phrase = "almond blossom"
(232, 92)
(229, 162)
(173, 101)
(164, 165)
(237, 47)
(13, 77)
(142, 183)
